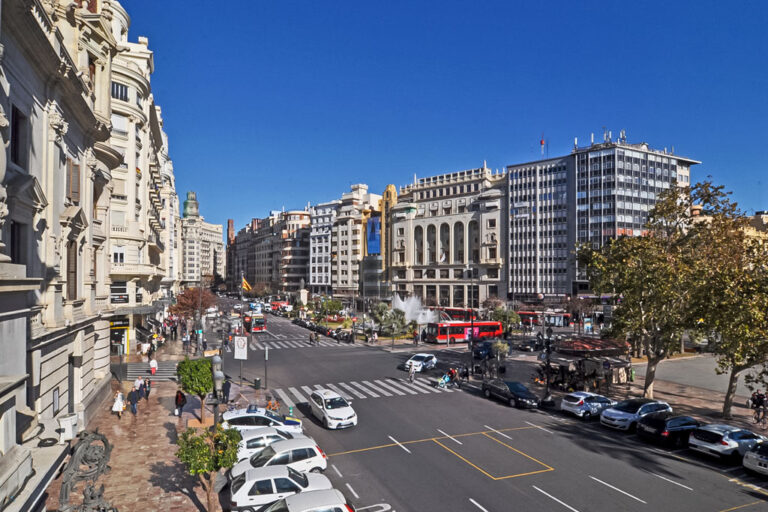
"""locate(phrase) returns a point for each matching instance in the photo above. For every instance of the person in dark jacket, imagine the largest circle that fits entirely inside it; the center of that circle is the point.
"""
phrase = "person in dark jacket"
(225, 391)
(147, 388)
(180, 401)
(133, 399)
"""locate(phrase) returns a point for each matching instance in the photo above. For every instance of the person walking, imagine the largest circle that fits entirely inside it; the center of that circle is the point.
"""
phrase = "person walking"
(118, 405)
(142, 389)
(133, 399)
(147, 389)
(138, 382)
(225, 388)
(180, 401)
(153, 366)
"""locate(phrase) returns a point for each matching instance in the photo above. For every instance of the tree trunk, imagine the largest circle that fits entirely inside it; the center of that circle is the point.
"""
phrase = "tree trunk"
(202, 409)
(730, 394)
(650, 375)
(208, 480)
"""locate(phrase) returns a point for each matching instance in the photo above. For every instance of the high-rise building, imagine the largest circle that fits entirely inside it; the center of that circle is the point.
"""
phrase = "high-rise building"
(596, 193)
(203, 247)
(322, 218)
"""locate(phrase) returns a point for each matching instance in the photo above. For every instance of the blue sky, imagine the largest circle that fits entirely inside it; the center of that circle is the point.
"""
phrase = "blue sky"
(272, 104)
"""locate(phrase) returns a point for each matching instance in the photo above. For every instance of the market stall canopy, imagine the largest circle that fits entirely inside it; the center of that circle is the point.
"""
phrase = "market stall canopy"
(589, 347)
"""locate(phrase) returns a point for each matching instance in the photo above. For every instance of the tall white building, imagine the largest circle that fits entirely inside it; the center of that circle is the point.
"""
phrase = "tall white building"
(203, 255)
(322, 218)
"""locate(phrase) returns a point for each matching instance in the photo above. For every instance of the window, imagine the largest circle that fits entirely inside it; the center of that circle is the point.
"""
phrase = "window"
(492, 253)
(120, 287)
(92, 72)
(71, 270)
(118, 255)
(491, 223)
(16, 242)
(73, 181)
(19, 141)
(285, 485)
(261, 487)
(119, 123)
(493, 273)
(280, 460)
(119, 91)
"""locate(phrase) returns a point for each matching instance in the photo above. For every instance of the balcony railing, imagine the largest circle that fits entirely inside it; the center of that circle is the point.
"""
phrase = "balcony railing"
(154, 239)
(132, 269)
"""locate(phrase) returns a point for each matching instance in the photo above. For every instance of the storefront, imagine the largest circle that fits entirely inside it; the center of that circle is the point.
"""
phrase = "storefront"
(119, 336)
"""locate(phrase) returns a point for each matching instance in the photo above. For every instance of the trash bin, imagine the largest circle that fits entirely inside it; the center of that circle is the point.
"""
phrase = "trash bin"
(68, 426)
(257, 383)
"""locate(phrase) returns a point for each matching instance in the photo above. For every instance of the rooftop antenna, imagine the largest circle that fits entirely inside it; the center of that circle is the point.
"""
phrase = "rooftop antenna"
(541, 143)
(575, 143)
(623, 136)
(591, 138)
(605, 134)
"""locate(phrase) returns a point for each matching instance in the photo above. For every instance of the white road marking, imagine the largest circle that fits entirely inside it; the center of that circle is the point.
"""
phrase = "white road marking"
(497, 432)
(393, 389)
(293, 344)
(325, 343)
(672, 481)
(351, 390)
(366, 390)
(400, 445)
(378, 389)
(282, 344)
(308, 390)
(730, 470)
(284, 397)
(555, 499)
(353, 492)
(270, 334)
(539, 427)
(299, 397)
(477, 505)
(617, 489)
(449, 437)
(404, 387)
(343, 394)
(420, 384)
(253, 346)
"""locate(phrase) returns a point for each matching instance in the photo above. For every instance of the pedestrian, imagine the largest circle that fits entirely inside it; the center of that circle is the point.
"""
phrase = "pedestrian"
(142, 389)
(138, 382)
(133, 399)
(153, 366)
(225, 388)
(147, 389)
(118, 405)
(205, 345)
(180, 402)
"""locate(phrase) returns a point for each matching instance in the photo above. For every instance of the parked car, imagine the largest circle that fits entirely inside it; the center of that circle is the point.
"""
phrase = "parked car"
(331, 408)
(482, 350)
(421, 362)
(665, 428)
(300, 454)
(724, 441)
(255, 440)
(312, 501)
(263, 486)
(258, 417)
(530, 345)
(756, 459)
(514, 393)
(624, 415)
(585, 405)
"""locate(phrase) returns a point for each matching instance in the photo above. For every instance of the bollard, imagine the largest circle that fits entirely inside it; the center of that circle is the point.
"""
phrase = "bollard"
(290, 411)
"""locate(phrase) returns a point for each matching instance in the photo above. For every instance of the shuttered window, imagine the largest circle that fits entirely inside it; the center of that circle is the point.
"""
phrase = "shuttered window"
(73, 181)
(71, 270)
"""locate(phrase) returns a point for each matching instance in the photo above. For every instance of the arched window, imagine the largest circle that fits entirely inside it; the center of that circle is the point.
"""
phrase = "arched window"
(458, 242)
(474, 242)
(445, 243)
(418, 245)
(431, 244)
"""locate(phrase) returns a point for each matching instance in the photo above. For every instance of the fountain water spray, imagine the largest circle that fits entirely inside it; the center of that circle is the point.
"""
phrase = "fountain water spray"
(414, 310)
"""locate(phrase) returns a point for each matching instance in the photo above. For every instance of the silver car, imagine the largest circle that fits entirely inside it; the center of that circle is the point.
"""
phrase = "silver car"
(624, 415)
(723, 440)
(756, 459)
(585, 405)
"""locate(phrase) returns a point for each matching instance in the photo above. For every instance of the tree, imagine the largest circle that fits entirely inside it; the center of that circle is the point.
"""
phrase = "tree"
(394, 322)
(507, 317)
(196, 378)
(379, 313)
(205, 453)
(190, 301)
(492, 303)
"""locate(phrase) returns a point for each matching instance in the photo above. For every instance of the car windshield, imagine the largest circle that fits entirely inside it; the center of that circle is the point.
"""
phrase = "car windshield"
(628, 406)
(299, 478)
(418, 359)
(260, 459)
(272, 415)
(284, 434)
(516, 387)
(761, 449)
(278, 506)
(336, 403)
(237, 483)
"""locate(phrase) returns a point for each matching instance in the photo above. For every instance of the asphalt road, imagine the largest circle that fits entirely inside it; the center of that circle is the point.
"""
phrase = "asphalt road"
(699, 371)
(416, 448)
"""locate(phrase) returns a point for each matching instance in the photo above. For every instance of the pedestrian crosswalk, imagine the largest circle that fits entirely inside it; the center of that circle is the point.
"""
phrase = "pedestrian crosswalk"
(362, 389)
(166, 370)
(274, 344)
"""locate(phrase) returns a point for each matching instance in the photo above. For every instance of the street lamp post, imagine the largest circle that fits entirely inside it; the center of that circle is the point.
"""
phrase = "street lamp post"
(471, 314)
(218, 381)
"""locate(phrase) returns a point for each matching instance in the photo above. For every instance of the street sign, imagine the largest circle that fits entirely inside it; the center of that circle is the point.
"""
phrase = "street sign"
(241, 348)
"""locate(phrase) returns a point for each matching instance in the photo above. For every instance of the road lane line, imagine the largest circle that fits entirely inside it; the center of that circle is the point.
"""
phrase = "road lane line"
(400, 445)
(364, 389)
(397, 385)
(378, 389)
(672, 481)
(299, 397)
(477, 505)
(539, 427)
(343, 394)
(352, 390)
(308, 390)
(384, 385)
(497, 432)
(284, 397)
(270, 334)
(617, 489)
(353, 492)
(555, 499)
(449, 437)
(337, 470)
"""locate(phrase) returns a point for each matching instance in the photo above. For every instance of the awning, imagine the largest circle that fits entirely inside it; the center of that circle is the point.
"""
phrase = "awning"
(152, 321)
(143, 333)
(586, 346)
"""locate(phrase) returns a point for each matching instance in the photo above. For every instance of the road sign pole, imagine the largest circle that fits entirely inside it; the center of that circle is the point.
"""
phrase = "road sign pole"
(241, 373)
(266, 358)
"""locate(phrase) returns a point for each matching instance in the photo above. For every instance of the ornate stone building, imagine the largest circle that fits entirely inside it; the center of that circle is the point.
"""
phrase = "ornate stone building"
(203, 254)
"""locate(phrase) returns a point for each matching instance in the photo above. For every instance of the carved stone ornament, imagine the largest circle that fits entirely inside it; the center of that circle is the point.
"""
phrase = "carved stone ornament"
(59, 126)
(3, 194)
(89, 460)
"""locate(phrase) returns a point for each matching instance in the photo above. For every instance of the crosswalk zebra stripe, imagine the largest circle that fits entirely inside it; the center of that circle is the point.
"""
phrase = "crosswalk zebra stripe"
(358, 385)
(292, 344)
(280, 344)
(308, 390)
(405, 387)
(339, 391)
(420, 386)
(384, 385)
(352, 390)
(326, 343)
(299, 397)
(284, 397)
(426, 384)
(259, 346)
(377, 388)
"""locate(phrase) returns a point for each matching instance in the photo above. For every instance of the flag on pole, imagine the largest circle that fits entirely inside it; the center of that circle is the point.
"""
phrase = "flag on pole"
(245, 286)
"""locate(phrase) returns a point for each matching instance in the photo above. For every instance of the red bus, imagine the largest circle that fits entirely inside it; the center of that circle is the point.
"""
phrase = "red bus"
(459, 331)
(258, 323)
(449, 314)
(550, 318)
(278, 304)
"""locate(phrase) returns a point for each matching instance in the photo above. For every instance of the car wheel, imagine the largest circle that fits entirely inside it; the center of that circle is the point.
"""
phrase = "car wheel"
(586, 416)
(453, 341)
(487, 393)
(315, 470)
(325, 422)
(632, 427)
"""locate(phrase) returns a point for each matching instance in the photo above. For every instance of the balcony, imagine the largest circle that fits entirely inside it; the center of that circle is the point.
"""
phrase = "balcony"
(155, 242)
(132, 269)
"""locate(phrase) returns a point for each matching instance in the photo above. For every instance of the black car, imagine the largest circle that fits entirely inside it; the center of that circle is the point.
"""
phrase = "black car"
(665, 428)
(533, 345)
(514, 393)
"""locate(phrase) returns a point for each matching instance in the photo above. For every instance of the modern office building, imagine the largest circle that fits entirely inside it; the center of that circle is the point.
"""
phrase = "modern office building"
(596, 193)
(322, 219)
(203, 254)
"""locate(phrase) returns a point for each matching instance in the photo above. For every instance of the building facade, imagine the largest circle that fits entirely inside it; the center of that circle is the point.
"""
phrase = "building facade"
(203, 254)
(596, 193)
(322, 218)
(448, 237)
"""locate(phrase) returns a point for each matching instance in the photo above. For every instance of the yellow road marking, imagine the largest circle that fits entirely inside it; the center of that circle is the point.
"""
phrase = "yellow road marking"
(467, 461)
(550, 468)
(742, 506)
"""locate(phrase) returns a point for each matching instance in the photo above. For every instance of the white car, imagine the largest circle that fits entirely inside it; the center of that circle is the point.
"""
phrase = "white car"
(255, 440)
(624, 415)
(756, 459)
(314, 501)
(300, 454)
(258, 487)
(421, 362)
(584, 404)
(258, 417)
(330, 408)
